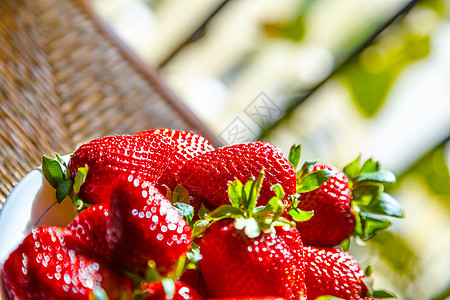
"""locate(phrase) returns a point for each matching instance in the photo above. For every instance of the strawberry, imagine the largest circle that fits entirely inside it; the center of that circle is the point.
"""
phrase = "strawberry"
(333, 272)
(193, 278)
(188, 145)
(250, 251)
(112, 156)
(182, 291)
(345, 204)
(206, 176)
(333, 220)
(43, 267)
(144, 226)
(89, 231)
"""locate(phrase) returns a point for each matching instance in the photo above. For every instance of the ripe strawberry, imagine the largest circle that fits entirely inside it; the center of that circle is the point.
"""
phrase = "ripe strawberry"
(333, 219)
(333, 272)
(145, 226)
(182, 291)
(207, 175)
(252, 252)
(43, 267)
(193, 278)
(188, 145)
(89, 231)
(345, 204)
(112, 156)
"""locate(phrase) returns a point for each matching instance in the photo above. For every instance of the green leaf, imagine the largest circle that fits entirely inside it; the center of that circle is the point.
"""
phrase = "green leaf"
(300, 215)
(254, 193)
(294, 155)
(63, 189)
(383, 294)
(345, 245)
(364, 194)
(370, 166)
(358, 224)
(248, 186)
(199, 228)
(383, 176)
(80, 179)
(100, 294)
(386, 205)
(352, 169)
(306, 168)
(278, 190)
(313, 181)
(225, 211)
(180, 195)
(185, 210)
(203, 211)
(52, 171)
(372, 224)
(368, 271)
(235, 191)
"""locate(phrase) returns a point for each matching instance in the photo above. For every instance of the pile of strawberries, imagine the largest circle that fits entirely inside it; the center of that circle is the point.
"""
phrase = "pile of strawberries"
(164, 215)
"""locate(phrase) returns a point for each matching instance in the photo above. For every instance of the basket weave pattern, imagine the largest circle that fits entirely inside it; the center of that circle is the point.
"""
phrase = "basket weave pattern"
(64, 79)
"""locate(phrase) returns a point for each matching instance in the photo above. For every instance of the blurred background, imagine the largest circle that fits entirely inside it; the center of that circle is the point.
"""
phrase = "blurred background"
(341, 77)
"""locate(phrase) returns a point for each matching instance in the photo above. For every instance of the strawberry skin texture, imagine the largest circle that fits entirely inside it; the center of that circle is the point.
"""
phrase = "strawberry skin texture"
(89, 231)
(182, 291)
(234, 265)
(42, 267)
(145, 226)
(193, 278)
(207, 175)
(188, 145)
(112, 156)
(333, 220)
(330, 271)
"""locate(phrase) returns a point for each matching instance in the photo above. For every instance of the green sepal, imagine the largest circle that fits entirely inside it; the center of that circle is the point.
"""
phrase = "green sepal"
(180, 195)
(185, 210)
(383, 294)
(235, 191)
(328, 298)
(52, 171)
(225, 211)
(352, 169)
(368, 271)
(203, 211)
(80, 178)
(199, 228)
(370, 166)
(313, 181)
(193, 256)
(99, 294)
(306, 168)
(64, 189)
(294, 155)
(370, 224)
(365, 194)
(252, 189)
(151, 273)
(300, 215)
(382, 176)
(386, 205)
(345, 244)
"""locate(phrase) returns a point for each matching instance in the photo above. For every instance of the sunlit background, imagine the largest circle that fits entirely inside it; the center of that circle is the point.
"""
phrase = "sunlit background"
(369, 77)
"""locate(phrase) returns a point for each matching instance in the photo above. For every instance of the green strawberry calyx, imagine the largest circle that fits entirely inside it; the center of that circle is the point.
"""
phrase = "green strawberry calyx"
(370, 201)
(251, 219)
(57, 174)
(307, 181)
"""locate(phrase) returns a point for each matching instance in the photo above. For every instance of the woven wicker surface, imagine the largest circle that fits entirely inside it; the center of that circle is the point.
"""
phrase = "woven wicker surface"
(65, 79)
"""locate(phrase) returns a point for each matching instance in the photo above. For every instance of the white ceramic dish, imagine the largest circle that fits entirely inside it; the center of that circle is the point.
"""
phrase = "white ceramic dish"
(23, 207)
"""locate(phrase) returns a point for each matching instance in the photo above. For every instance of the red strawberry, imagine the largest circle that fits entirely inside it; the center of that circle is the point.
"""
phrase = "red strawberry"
(256, 253)
(145, 226)
(207, 175)
(188, 145)
(112, 156)
(42, 267)
(89, 231)
(333, 219)
(182, 291)
(347, 203)
(333, 272)
(193, 278)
